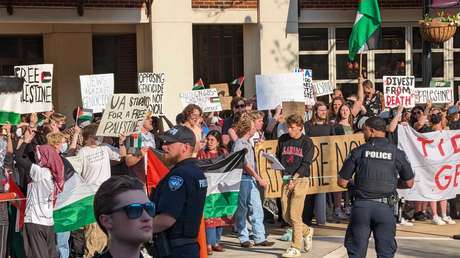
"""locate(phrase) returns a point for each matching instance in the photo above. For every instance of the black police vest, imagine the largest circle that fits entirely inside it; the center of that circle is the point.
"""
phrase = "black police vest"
(377, 171)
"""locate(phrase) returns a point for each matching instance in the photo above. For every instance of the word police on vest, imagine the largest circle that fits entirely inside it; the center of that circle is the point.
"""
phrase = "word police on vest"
(378, 155)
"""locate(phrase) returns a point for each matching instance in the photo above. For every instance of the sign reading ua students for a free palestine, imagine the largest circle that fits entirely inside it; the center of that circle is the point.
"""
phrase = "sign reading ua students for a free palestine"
(37, 92)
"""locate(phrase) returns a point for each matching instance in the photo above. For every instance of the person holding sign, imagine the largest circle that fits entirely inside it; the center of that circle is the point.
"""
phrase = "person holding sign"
(373, 100)
(295, 152)
(376, 167)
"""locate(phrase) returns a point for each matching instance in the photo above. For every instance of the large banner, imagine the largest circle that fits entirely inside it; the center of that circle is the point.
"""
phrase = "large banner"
(437, 95)
(272, 90)
(435, 159)
(37, 91)
(96, 90)
(153, 86)
(123, 114)
(399, 90)
(329, 154)
(207, 100)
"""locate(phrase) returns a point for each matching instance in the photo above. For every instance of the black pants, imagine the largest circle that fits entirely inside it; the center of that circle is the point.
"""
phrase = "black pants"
(39, 241)
(367, 217)
(185, 251)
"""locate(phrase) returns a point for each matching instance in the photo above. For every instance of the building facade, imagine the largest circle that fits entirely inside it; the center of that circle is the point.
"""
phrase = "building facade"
(216, 40)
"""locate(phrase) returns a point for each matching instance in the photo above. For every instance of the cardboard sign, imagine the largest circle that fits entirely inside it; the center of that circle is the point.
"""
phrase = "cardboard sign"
(292, 107)
(323, 88)
(152, 86)
(272, 90)
(96, 90)
(307, 86)
(222, 89)
(226, 102)
(206, 99)
(399, 90)
(329, 154)
(435, 95)
(37, 90)
(124, 113)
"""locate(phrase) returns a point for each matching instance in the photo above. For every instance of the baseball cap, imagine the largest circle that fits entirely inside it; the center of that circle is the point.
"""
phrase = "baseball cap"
(452, 110)
(179, 133)
(376, 123)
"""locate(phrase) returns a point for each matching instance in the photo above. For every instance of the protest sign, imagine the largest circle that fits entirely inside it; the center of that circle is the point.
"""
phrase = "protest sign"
(152, 86)
(124, 113)
(292, 107)
(435, 95)
(435, 160)
(206, 99)
(441, 83)
(399, 90)
(307, 86)
(226, 102)
(329, 154)
(36, 95)
(272, 90)
(222, 89)
(96, 90)
(323, 88)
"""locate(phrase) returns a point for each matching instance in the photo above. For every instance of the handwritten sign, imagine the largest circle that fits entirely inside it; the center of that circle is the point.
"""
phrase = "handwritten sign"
(441, 83)
(124, 113)
(272, 90)
(323, 88)
(37, 92)
(222, 89)
(226, 102)
(399, 90)
(435, 95)
(152, 85)
(307, 86)
(207, 99)
(96, 90)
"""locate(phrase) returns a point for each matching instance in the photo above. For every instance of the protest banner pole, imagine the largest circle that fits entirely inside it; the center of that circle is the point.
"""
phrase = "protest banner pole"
(361, 64)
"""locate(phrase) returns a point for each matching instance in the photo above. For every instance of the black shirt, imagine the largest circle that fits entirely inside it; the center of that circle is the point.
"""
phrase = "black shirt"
(313, 130)
(295, 154)
(108, 255)
(454, 125)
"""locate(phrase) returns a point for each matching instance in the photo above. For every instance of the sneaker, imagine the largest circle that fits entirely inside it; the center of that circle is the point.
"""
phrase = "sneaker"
(246, 244)
(449, 220)
(405, 223)
(438, 221)
(338, 214)
(292, 252)
(265, 243)
(287, 236)
(308, 240)
(420, 216)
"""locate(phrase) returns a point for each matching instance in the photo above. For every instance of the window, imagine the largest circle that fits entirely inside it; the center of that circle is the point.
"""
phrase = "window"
(19, 50)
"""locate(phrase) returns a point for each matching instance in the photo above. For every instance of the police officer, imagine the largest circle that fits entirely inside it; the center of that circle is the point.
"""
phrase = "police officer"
(376, 166)
(180, 195)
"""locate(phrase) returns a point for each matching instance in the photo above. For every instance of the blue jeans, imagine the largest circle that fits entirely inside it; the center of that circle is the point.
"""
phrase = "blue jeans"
(213, 235)
(249, 206)
(62, 240)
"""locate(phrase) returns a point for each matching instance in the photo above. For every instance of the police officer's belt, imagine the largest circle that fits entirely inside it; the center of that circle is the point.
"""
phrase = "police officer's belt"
(181, 241)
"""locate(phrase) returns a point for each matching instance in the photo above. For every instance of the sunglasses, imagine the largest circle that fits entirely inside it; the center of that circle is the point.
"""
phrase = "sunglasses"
(135, 210)
(240, 106)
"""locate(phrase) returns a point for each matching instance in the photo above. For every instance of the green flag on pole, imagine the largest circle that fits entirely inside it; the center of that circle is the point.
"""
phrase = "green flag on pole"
(366, 30)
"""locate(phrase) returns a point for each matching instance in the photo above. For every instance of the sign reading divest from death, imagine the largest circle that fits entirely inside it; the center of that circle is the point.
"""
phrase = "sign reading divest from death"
(323, 88)
(152, 85)
(399, 90)
(207, 99)
(329, 154)
(37, 91)
(307, 86)
(435, 95)
(272, 90)
(124, 113)
(96, 90)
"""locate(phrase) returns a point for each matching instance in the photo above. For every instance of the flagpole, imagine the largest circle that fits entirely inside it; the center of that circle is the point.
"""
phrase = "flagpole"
(360, 64)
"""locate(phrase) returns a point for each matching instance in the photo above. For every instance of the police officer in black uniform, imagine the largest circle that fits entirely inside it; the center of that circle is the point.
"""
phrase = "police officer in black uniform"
(376, 167)
(179, 197)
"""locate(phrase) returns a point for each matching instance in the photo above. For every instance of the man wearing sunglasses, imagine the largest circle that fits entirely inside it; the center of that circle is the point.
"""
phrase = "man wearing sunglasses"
(180, 196)
(124, 212)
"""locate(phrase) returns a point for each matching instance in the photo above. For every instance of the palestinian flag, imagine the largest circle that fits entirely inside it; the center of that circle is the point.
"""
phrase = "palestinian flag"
(10, 94)
(224, 177)
(239, 81)
(366, 30)
(155, 170)
(74, 206)
(84, 117)
(134, 140)
(214, 99)
(199, 85)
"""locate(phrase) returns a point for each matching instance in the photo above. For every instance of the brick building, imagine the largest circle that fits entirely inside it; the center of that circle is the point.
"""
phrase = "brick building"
(217, 40)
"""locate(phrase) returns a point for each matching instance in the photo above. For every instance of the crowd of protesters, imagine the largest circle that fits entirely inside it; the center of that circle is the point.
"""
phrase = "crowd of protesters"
(33, 155)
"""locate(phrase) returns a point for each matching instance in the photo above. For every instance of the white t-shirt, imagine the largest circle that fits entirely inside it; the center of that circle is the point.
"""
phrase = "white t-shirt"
(96, 163)
(39, 205)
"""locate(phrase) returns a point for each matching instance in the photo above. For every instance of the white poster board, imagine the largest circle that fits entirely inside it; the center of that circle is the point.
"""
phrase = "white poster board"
(272, 90)
(436, 95)
(37, 93)
(307, 86)
(399, 90)
(152, 85)
(207, 99)
(124, 113)
(96, 90)
(323, 88)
